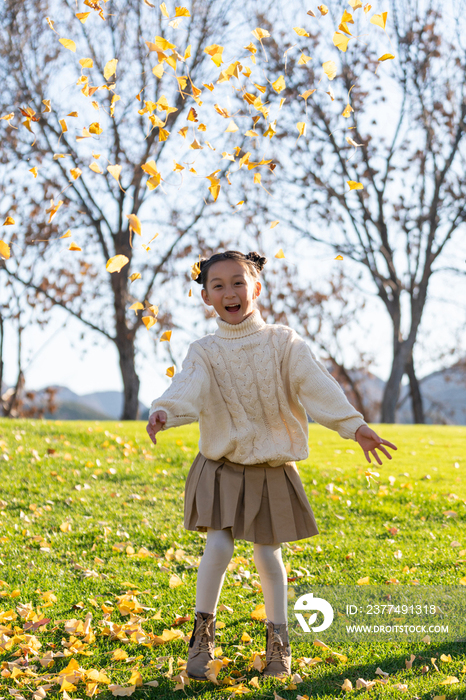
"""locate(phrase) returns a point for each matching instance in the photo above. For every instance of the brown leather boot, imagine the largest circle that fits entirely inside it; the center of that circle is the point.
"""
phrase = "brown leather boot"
(278, 651)
(201, 646)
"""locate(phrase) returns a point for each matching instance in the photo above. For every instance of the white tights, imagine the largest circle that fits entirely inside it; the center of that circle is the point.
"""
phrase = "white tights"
(268, 560)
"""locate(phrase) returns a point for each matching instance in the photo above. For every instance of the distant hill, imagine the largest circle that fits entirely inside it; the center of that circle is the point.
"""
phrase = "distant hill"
(100, 405)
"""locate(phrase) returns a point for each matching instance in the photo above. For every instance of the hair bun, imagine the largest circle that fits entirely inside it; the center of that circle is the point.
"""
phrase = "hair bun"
(258, 260)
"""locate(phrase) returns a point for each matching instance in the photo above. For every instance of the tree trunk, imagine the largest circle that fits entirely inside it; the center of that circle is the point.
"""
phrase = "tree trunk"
(1, 363)
(130, 378)
(401, 353)
(416, 396)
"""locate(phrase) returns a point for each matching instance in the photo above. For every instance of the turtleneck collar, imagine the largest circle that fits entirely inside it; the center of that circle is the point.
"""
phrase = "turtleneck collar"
(231, 331)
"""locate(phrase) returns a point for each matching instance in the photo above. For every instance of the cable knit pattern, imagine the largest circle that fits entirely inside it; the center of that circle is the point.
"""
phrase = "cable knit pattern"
(250, 386)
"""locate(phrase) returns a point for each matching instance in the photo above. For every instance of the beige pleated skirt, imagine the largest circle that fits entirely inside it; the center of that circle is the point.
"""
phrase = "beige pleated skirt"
(259, 503)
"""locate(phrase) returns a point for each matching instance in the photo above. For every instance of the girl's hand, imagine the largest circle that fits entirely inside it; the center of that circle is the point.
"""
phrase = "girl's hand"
(156, 421)
(369, 442)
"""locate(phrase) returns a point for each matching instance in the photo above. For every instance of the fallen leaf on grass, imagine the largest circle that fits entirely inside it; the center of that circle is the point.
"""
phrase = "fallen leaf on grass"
(259, 613)
(121, 689)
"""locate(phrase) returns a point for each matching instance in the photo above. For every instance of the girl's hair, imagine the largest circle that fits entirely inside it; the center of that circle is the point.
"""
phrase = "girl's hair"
(253, 261)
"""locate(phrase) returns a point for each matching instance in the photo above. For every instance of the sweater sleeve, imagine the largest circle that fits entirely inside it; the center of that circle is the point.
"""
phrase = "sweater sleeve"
(182, 401)
(320, 394)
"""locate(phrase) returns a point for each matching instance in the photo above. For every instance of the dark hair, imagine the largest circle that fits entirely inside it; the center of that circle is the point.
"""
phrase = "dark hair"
(253, 261)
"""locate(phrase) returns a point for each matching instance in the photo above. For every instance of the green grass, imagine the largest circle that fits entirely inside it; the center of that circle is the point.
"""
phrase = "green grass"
(80, 500)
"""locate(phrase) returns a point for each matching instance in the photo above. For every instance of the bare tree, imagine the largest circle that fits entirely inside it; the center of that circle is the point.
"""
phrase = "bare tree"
(125, 112)
(402, 138)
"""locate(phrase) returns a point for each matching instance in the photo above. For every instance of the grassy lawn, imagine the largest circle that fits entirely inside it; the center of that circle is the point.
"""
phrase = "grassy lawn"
(91, 539)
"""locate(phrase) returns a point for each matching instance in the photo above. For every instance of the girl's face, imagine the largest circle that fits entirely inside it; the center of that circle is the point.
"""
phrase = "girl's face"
(231, 291)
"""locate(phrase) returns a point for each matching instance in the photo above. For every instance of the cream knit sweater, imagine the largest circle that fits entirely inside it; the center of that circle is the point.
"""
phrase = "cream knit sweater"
(250, 385)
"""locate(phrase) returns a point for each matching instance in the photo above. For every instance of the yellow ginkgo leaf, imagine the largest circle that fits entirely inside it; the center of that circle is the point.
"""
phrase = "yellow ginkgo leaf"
(63, 125)
(300, 31)
(175, 580)
(301, 126)
(135, 276)
(33, 171)
(9, 221)
(339, 257)
(303, 59)
(274, 223)
(4, 250)
(136, 678)
(170, 372)
(245, 637)
(355, 185)
(82, 16)
(164, 11)
(95, 128)
(74, 246)
(259, 611)
(386, 57)
(231, 128)
(68, 44)
(136, 306)
(115, 171)
(330, 69)
(355, 4)
(75, 173)
(149, 321)
(280, 254)
(116, 263)
(279, 84)
(96, 168)
(134, 223)
(166, 336)
(323, 9)
(379, 20)
(367, 8)
(182, 12)
(67, 234)
(341, 41)
(364, 581)
(347, 111)
(259, 33)
(110, 68)
(86, 62)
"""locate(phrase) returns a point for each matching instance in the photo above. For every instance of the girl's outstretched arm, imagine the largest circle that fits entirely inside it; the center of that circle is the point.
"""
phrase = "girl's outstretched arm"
(156, 421)
(369, 442)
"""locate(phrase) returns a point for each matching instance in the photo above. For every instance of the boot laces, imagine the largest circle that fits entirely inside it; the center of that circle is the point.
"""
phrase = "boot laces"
(204, 639)
(278, 651)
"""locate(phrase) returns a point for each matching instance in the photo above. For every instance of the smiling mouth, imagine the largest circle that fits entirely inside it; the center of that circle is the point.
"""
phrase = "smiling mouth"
(233, 308)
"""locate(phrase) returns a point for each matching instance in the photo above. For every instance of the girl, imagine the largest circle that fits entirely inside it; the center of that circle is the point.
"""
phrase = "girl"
(250, 385)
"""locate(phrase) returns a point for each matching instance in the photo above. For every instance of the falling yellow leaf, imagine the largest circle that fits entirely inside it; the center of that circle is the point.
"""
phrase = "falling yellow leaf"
(68, 44)
(301, 126)
(136, 306)
(182, 12)
(215, 52)
(116, 263)
(386, 57)
(231, 128)
(74, 246)
(110, 68)
(323, 9)
(9, 221)
(347, 111)
(280, 254)
(279, 84)
(96, 168)
(52, 210)
(257, 178)
(4, 250)
(355, 185)
(307, 94)
(149, 321)
(63, 125)
(33, 171)
(135, 276)
(341, 41)
(86, 62)
(75, 173)
(300, 31)
(379, 20)
(339, 257)
(274, 223)
(330, 69)
(259, 33)
(95, 128)
(355, 4)
(303, 59)
(166, 336)
(170, 372)
(67, 234)
(82, 16)
(164, 11)
(134, 223)
(115, 171)
(367, 8)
